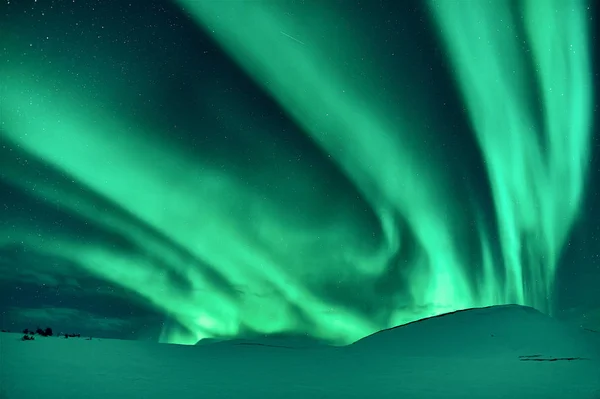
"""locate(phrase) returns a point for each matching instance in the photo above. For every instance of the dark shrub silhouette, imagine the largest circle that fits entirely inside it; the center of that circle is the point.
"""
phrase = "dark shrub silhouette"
(72, 335)
(26, 331)
(44, 333)
(28, 338)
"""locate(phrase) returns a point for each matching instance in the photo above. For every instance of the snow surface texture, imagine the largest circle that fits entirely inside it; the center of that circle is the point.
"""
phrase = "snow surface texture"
(497, 352)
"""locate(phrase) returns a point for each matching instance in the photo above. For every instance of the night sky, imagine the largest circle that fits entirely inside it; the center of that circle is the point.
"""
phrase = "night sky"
(189, 169)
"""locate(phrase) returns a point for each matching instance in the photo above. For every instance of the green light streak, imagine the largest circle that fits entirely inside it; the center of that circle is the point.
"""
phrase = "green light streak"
(65, 133)
(350, 121)
(245, 258)
(537, 168)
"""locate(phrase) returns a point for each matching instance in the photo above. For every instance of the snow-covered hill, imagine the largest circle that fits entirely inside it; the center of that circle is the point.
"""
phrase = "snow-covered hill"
(507, 330)
(497, 352)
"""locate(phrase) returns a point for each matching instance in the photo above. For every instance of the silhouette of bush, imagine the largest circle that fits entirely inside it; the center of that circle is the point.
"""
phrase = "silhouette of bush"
(72, 335)
(28, 338)
(44, 333)
(47, 332)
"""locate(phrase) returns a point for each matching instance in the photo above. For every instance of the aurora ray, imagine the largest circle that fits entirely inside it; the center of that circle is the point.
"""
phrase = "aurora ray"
(225, 238)
(537, 165)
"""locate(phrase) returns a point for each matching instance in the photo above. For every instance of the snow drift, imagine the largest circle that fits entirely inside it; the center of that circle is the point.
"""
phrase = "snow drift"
(496, 352)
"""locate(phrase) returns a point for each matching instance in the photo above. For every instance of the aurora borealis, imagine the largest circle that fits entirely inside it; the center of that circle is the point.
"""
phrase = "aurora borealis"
(311, 168)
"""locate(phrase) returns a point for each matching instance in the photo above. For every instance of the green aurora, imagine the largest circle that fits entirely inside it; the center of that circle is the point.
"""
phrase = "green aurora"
(224, 246)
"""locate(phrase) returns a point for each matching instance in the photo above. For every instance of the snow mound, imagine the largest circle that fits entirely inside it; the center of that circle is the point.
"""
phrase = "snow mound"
(492, 331)
(491, 353)
(289, 342)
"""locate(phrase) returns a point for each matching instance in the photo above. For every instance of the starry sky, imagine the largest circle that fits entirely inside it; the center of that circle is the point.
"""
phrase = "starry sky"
(180, 170)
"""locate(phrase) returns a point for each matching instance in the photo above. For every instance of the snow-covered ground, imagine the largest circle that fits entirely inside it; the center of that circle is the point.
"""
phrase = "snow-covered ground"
(498, 352)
